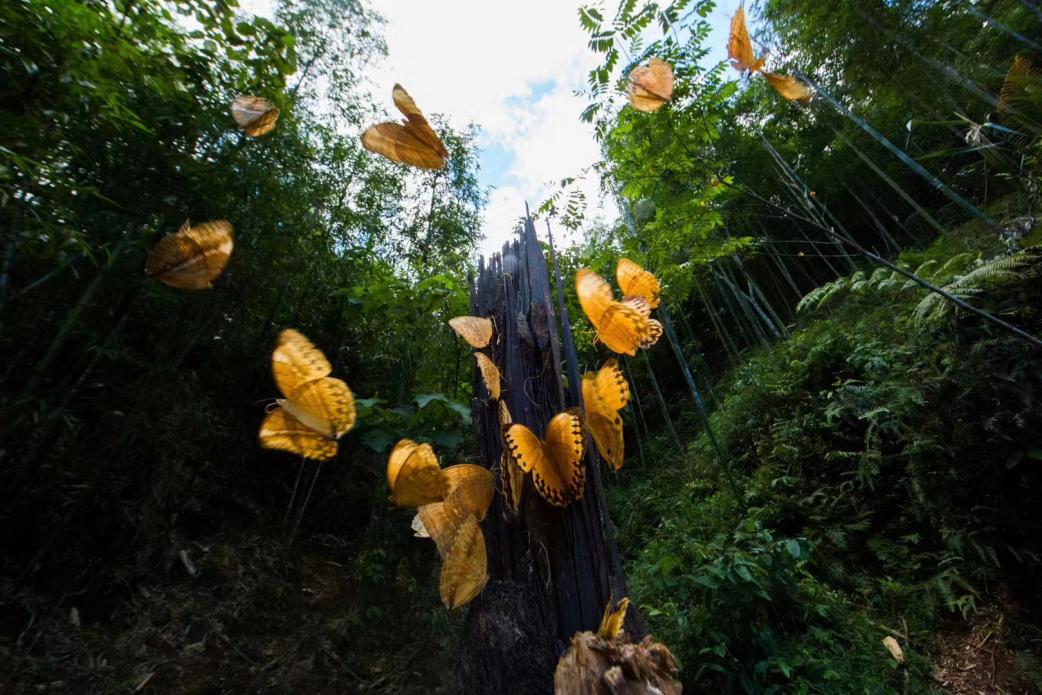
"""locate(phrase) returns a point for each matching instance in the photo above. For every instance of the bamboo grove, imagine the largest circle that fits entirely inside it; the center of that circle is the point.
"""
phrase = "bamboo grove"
(237, 401)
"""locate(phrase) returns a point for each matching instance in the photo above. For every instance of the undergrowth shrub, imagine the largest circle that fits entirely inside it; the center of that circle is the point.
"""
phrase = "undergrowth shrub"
(889, 475)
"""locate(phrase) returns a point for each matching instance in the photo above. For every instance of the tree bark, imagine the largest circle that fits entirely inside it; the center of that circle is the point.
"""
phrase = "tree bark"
(551, 570)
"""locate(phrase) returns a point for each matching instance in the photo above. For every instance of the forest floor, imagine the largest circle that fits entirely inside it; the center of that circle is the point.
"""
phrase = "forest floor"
(239, 614)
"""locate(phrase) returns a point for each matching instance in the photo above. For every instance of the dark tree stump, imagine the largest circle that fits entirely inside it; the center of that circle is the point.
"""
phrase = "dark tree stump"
(551, 571)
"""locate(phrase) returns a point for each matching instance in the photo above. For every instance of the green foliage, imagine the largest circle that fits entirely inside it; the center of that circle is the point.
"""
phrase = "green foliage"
(130, 410)
(885, 474)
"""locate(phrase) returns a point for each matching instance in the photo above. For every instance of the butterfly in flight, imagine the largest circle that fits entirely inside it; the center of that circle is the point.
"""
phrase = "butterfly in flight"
(740, 52)
(255, 116)
(193, 257)
(416, 478)
(453, 525)
(412, 141)
(605, 393)
(651, 86)
(622, 326)
(316, 409)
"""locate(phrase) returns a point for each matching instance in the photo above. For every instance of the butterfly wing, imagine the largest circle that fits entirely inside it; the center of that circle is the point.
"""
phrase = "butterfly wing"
(611, 386)
(256, 116)
(604, 421)
(651, 85)
(789, 87)
(505, 418)
(413, 143)
(326, 405)
(489, 374)
(296, 360)
(192, 258)
(439, 523)
(634, 281)
(556, 466)
(419, 480)
(611, 621)
(417, 123)
(397, 458)
(282, 431)
(512, 478)
(475, 330)
(399, 144)
(616, 326)
(469, 489)
(740, 46)
(465, 569)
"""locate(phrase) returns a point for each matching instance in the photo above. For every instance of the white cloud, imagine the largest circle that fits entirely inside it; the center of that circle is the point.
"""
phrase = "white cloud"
(511, 68)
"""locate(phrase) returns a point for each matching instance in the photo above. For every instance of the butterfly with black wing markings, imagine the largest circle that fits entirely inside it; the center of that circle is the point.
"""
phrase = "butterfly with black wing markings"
(556, 463)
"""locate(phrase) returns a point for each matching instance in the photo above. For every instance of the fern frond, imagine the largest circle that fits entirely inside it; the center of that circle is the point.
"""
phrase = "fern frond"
(1000, 271)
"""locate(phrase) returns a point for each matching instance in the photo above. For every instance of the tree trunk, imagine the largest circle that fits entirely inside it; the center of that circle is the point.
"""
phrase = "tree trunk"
(551, 570)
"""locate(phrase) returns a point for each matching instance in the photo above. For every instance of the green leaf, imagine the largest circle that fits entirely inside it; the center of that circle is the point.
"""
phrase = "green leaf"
(376, 439)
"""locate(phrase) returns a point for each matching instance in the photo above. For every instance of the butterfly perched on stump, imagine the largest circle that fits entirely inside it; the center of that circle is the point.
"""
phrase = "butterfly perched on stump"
(193, 257)
(475, 330)
(622, 326)
(416, 478)
(612, 620)
(556, 463)
(651, 85)
(605, 393)
(489, 374)
(610, 661)
(412, 141)
(255, 116)
(317, 409)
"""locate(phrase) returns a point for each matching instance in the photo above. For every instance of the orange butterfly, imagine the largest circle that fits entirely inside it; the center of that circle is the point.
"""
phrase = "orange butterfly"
(192, 258)
(740, 46)
(489, 374)
(651, 85)
(740, 51)
(411, 142)
(556, 464)
(605, 393)
(416, 479)
(255, 116)
(511, 477)
(611, 621)
(634, 281)
(454, 528)
(622, 326)
(317, 409)
(414, 476)
(475, 330)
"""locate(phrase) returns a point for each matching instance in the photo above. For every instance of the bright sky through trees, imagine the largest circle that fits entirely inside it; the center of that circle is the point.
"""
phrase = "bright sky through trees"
(513, 69)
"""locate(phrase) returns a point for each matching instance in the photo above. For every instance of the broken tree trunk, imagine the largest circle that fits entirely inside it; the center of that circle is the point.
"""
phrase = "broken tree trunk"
(551, 570)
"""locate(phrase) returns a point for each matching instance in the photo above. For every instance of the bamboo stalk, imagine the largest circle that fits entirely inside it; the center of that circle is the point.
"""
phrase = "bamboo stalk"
(662, 403)
(900, 154)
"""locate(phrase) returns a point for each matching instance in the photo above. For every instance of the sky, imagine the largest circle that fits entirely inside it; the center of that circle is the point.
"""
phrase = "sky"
(512, 68)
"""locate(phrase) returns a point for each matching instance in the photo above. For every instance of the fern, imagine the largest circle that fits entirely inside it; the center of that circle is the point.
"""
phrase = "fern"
(1004, 270)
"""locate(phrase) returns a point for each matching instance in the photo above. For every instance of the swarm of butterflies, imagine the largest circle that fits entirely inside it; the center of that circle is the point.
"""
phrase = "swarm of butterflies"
(316, 410)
